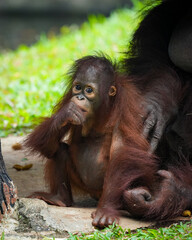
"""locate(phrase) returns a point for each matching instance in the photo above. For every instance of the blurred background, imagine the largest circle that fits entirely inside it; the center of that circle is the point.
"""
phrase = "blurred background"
(40, 39)
(23, 21)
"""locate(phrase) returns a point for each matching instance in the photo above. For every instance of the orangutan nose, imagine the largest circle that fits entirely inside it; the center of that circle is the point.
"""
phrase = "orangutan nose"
(80, 97)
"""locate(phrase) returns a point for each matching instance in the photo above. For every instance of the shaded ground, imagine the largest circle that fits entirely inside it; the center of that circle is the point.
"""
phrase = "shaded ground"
(33, 218)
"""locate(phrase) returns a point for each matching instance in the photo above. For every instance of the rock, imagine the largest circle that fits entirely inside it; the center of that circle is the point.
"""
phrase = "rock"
(33, 217)
(43, 217)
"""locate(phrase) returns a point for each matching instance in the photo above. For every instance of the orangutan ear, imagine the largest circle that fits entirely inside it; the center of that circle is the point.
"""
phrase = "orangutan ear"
(112, 91)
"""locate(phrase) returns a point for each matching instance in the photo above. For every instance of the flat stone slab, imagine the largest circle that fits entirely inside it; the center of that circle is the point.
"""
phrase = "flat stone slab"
(33, 218)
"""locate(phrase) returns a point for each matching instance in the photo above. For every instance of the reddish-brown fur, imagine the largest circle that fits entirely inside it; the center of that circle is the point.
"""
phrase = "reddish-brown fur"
(124, 155)
(166, 89)
(129, 178)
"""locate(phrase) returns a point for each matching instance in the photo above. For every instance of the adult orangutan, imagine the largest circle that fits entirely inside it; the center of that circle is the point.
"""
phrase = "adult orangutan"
(159, 60)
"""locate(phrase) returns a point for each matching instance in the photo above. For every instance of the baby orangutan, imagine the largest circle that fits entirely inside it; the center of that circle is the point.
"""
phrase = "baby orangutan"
(94, 141)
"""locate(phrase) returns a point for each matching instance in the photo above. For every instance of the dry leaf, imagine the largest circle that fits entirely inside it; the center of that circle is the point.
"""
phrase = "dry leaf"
(17, 146)
(22, 168)
(186, 213)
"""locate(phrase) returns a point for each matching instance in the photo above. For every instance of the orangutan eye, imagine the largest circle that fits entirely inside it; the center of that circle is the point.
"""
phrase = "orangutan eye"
(78, 87)
(89, 90)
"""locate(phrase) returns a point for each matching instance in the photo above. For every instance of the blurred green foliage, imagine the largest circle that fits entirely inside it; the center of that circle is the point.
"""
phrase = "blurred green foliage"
(33, 78)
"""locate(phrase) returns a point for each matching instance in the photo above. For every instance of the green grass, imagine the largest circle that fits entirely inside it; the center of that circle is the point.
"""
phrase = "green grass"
(32, 78)
(181, 231)
(2, 236)
(176, 231)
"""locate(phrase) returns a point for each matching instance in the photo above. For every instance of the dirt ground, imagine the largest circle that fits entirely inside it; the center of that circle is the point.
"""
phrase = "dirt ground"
(42, 219)
(26, 181)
